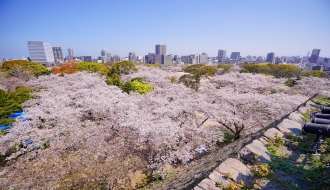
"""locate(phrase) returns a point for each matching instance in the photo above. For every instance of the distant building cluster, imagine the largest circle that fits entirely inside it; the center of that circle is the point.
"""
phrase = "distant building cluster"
(44, 53)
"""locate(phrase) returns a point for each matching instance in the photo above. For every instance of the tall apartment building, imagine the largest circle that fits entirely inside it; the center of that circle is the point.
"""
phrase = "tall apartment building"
(132, 57)
(58, 55)
(71, 54)
(106, 56)
(315, 56)
(203, 58)
(193, 59)
(185, 59)
(270, 57)
(221, 55)
(150, 58)
(104, 52)
(41, 52)
(160, 49)
(167, 59)
(158, 58)
(235, 55)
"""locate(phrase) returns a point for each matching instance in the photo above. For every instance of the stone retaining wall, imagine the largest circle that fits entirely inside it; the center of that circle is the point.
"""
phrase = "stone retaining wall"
(203, 173)
(288, 124)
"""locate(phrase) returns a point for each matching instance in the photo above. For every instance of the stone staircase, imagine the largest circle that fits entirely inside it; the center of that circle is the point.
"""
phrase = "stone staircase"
(235, 166)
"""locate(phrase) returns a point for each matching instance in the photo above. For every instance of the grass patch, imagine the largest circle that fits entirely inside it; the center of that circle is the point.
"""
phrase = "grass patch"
(301, 166)
(322, 100)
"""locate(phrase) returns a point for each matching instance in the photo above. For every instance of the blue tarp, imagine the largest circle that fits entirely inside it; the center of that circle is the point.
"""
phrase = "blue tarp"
(3, 127)
(14, 115)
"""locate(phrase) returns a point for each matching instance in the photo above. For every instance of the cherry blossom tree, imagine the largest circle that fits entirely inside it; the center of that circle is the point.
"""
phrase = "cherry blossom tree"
(96, 130)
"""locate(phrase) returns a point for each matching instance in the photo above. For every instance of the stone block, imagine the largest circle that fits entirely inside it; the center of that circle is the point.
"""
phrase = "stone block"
(296, 117)
(237, 170)
(255, 148)
(198, 188)
(290, 126)
(263, 140)
(208, 184)
(303, 109)
(218, 177)
(272, 132)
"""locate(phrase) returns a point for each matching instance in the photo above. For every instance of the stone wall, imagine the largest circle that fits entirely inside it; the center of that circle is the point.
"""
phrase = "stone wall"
(203, 173)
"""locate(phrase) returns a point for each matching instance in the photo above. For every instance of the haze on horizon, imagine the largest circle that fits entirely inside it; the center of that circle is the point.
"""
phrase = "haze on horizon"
(255, 27)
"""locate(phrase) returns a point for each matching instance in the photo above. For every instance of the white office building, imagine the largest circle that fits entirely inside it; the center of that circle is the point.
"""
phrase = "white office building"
(41, 52)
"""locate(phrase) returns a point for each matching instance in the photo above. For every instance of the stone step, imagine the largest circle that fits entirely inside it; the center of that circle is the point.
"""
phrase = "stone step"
(207, 184)
(272, 133)
(255, 148)
(236, 169)
(290, 126)
(296, 117)
(304, 109)
(218, 177)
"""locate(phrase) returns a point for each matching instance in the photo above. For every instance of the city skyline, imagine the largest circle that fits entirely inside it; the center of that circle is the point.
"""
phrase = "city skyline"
(251, 28)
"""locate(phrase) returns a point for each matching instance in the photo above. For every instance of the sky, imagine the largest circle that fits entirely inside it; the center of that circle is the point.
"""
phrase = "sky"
(252, 27)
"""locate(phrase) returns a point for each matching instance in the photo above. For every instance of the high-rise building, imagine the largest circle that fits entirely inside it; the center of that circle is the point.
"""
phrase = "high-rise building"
(132, 57)
(175, 57)
(167, 59)
(41, 52)
(185, 59)
(140, 59)
(104, 52)
(71, 54)
(58, 55)
(203, 58)
(150, 58)
(178, 61)
(235, 55)
(160, 49)
(106, 56)
(86, 58)
(115, 58)
(158, 58)
(221, 55)
(270, 57)
(315, 56)
(192, 59)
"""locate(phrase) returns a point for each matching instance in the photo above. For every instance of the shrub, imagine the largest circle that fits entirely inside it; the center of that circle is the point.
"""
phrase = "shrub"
(290, 82)
(34, 68)
(67, 68)
(114, 80)
(137, 86)
(123, 67)
(94, 67)
(196, 72)
(228, 136)
(226, 67)
(11, 102)
(262, 170)
(319, 74)
(156, 65)
(277, 71)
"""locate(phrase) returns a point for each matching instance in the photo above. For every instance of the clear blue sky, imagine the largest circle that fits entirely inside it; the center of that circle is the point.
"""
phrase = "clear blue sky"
(253, 27)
